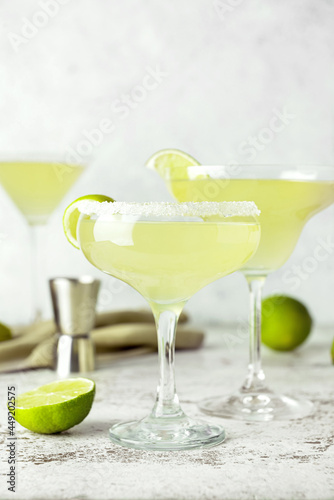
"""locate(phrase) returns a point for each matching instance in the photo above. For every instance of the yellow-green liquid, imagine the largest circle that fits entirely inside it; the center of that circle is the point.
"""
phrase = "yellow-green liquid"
(37, 187)
(285, 206)
(167, 262)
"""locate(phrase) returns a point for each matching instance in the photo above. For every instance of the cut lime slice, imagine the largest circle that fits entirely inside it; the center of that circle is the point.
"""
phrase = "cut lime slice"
(72, 214)
(55, 407)
(171, 163)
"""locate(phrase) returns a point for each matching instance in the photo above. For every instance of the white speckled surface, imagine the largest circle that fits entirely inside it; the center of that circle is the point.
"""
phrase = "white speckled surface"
(277, 460)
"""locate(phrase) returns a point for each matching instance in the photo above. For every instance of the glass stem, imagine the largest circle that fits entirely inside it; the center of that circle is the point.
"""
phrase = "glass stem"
(167, 402)
(36, 271)
(255, 380)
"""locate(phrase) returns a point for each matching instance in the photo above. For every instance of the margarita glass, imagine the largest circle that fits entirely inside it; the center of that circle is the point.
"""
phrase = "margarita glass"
(37, 185)
(167, 252)
(288, 196)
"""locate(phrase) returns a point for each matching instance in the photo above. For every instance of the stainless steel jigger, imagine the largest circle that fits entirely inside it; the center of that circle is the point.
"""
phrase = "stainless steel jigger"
(74, 303)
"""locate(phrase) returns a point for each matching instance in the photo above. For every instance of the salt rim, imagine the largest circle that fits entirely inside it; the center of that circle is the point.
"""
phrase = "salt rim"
(191, 209)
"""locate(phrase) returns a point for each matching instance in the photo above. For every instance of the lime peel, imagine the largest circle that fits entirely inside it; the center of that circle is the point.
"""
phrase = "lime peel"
(72, 214)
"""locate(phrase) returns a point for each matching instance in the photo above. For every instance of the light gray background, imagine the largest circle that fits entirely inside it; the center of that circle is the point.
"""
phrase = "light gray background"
(227, 67)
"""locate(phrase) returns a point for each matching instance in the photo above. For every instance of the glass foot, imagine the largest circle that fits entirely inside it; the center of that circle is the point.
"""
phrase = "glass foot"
(165, 434)
(257, 407)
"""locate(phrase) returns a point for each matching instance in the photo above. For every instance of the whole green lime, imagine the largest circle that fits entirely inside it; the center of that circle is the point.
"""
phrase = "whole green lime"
(5, 332)
(286, 323)
(332, 352)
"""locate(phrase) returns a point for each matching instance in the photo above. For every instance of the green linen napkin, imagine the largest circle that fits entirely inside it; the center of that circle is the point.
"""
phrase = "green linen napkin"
(117, 334)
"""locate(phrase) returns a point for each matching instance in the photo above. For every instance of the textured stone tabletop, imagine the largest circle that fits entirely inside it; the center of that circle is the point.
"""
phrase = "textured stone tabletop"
(276, 460)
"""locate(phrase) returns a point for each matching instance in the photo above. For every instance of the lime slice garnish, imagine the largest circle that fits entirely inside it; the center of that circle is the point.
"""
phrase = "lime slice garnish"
(171, 163)
(72, 214)
(286, 323)
(55, 407)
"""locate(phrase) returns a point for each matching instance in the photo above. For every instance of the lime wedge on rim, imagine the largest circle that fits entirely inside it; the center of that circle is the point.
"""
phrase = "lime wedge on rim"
(171, 163)
(72, 214)
(55, 407)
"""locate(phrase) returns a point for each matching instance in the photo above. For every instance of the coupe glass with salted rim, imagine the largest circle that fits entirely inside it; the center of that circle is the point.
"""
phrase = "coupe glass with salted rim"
(167, 252)
(288, 196)
(36, 183)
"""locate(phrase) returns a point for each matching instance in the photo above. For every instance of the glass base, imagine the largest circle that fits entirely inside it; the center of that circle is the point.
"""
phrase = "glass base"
(257, 407)
(165, 434)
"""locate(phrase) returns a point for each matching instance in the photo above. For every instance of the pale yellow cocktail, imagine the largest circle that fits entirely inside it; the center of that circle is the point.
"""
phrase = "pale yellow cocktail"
(167, 261)
(167, 252)
(36, 187)
(286, 205)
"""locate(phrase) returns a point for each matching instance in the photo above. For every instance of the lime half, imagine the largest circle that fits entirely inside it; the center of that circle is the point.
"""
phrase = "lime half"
(72, 214)
(55, 407)
(171, 163)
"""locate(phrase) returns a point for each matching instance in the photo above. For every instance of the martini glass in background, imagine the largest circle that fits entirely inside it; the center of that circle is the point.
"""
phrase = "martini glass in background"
(36, 186)
(288, 196)
(167, 252)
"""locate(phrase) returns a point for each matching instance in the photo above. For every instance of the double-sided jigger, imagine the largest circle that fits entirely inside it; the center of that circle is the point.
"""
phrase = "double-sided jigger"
(74, 303)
